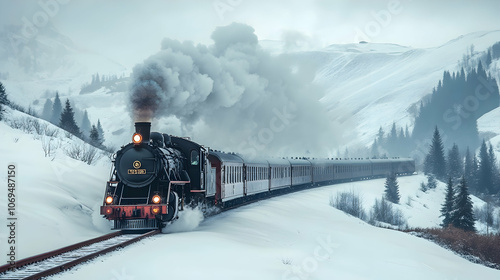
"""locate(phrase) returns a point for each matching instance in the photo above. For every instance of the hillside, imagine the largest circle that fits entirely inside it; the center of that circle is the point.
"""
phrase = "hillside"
(372, 85)
(58, 197)
(360, 81)
(297, 236)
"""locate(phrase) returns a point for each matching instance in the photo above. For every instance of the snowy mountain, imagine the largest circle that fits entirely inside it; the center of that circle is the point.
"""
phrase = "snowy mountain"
(371, 85)
(360, 81)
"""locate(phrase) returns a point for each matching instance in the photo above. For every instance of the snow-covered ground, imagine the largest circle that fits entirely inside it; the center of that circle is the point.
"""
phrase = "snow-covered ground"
(297, 236)
(58, 197)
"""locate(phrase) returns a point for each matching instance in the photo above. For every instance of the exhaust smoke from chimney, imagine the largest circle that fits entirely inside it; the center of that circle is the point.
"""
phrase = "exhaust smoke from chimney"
(236, 91)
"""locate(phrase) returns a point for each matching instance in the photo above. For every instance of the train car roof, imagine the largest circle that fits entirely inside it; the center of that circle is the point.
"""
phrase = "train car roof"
(254, 160)
(382, 160)
(299, 162)
(225, 157)
(278, 161)
(351, 161)
(322, 161)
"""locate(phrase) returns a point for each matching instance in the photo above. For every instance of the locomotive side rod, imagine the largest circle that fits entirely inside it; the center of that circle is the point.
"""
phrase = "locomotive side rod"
(63, 259)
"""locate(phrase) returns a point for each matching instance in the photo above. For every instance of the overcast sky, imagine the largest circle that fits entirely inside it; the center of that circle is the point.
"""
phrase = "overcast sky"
(126, 30)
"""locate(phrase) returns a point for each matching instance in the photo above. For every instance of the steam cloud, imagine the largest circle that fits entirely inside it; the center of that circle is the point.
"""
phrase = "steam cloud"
(233, 96)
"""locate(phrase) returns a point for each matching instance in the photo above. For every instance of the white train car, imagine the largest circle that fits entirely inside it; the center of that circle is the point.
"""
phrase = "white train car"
(301, 171)
(322, 170)
(256, 176)
(346, 170)
(229, 175)
(280, 174)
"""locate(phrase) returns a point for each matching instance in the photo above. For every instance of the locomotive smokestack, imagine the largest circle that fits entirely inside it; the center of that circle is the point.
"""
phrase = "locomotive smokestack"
(143, 128)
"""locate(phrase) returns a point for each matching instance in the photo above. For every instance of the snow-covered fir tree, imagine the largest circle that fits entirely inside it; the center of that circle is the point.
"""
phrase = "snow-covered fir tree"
(4, 100)
(485, 171)
(392, 188)
(95, 140)
(462, 215)
(431, 181)
(85, 124)
(435, 162)
(470, 169)
(495, 188)
(67, 121)
(455, 166)
(100, 130)
(56, 110)
(47, 109)
(447, 207)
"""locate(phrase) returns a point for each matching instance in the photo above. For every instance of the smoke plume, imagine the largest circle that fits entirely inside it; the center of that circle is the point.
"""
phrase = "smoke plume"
(232, 95)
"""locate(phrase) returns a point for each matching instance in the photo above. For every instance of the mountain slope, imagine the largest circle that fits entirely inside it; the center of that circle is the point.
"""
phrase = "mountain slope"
(297, 236)
(369, 85)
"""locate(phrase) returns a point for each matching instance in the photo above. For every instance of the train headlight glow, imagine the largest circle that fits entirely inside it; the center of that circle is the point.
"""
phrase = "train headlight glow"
(156, 199)
(155, 210)
(137, 138)
(109, 199)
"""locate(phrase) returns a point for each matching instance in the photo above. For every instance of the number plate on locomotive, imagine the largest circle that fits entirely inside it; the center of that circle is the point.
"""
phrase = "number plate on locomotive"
(136, 171)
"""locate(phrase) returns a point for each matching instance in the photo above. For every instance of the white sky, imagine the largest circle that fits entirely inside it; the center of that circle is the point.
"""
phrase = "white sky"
(129, 30)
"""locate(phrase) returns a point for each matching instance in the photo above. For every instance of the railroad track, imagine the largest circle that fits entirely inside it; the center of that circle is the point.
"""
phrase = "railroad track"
(62, 259)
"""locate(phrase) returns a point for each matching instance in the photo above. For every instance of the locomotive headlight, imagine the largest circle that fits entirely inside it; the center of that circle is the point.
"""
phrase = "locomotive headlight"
(137, 138)
(156, 199)
(109, 199)
(155, 209)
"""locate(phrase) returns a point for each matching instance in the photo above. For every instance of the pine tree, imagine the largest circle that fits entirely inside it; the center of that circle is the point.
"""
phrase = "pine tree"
(488, 58)
(374, 149)
(485, 172)
(392, 140)
(56, 110)
(463, 215)
(94, 136)
(392, 188)
(431, 181)
(494, 170)
(47, 110)
(380, 136)
(435, 162)
(455, 165)
(101, 131)
(447, 207)
(85, 123)
(67, 121)
(4, 100)
(470, 169)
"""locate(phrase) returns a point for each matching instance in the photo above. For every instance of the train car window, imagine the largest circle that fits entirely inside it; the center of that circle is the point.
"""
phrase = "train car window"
(195, 157)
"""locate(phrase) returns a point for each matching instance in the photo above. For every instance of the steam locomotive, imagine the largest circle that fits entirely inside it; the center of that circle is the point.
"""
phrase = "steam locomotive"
(158, 175)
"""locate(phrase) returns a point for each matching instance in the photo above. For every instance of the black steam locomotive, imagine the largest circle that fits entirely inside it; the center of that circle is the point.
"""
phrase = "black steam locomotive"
(157, 175)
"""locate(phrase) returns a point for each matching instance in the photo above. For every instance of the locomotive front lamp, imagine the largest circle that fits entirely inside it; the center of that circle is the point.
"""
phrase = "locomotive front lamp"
(109, 199)
(156, 199)
(137, 138)
(155, 209)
